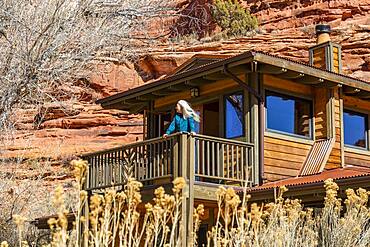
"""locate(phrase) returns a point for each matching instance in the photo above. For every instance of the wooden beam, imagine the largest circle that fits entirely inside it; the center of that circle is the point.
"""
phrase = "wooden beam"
(270, 69)
(133, 101)
(327, 84)
(307, 70)
(178, 88)
(146, 97)
(291, 75)
(137, 108)
(355, 92)
(350, 90)
(363, 95)
(163, 92)
(206, 90)
(237, 70)
(197, 82)
(240, 69)
(309, 80)
(274, 82)
(216, 76)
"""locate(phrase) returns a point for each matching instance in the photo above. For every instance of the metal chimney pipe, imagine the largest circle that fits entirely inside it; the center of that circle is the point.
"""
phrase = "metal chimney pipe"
(322, 33)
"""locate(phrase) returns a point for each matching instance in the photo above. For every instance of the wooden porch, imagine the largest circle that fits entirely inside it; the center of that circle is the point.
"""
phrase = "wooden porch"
(200, 159)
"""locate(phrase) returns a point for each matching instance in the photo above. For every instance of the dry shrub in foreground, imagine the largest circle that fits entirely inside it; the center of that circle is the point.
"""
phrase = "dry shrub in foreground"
(116, 219)
(286, 223)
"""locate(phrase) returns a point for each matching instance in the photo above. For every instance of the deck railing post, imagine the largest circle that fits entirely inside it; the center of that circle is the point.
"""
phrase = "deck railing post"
(186, 155)
(84, 226)
(184, 204)
(190, 208)
(176, 157)
(183, 162)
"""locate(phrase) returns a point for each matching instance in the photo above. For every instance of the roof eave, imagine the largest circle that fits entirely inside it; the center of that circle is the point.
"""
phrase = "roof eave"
(180, 77)
(326, 77)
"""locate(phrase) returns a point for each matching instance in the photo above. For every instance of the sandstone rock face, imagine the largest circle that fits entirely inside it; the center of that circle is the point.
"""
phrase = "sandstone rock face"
(59, 132)
(286, 28)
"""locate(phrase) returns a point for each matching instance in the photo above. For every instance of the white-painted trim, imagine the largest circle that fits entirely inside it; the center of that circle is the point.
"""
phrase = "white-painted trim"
(356, 150)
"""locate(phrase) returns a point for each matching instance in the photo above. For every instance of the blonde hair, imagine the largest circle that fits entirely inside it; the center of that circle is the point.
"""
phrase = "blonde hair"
(187, 111)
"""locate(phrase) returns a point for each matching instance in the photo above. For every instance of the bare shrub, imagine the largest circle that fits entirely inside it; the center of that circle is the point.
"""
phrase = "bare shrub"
(115, 219)
(48, 45)
(287, 223)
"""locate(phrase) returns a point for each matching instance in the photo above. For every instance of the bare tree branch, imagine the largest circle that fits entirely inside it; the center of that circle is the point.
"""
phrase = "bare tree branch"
(48, 43)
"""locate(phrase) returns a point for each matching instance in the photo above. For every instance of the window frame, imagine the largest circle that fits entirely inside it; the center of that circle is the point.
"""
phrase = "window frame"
(293, 96)
(367, 128)
(224, 113)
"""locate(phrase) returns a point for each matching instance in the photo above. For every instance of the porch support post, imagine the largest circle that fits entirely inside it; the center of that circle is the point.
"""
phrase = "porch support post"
(255, 88)
(341, 110)
(257, 116)
(187, 172)
(190, 208)
(261, 128)
(150, 121)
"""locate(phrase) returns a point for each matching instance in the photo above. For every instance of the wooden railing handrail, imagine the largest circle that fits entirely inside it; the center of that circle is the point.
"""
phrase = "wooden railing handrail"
(138, 143)
(158, 139)
(176, 155)
(224, 140)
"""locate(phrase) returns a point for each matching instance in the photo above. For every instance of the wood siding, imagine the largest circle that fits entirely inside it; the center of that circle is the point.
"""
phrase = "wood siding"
(287, 86)
(336, 59)
(356, 103)
(216, 88)
(319, 58)
(335, 160)
(321, 98)
(283, 158)
(353, 158)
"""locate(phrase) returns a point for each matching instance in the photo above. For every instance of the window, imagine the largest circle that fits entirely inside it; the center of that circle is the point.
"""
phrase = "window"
(288, 114)
(355, 129)
(234, 115)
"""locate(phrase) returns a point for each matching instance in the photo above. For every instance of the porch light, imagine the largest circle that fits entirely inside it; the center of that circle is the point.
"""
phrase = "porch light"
(194, 92)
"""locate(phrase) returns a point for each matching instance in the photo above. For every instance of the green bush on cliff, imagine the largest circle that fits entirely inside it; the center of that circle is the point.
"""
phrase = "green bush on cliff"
(233, 19)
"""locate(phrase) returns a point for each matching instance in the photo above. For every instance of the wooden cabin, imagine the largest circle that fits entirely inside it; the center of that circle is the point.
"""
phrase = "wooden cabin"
(264, 120)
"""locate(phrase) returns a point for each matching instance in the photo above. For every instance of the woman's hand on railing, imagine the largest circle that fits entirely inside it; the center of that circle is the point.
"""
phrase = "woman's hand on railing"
(165, 136)
(193, 133)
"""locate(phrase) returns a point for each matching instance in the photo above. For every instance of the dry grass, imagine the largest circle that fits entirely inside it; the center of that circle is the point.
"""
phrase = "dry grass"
(287, 223)
(116, 218)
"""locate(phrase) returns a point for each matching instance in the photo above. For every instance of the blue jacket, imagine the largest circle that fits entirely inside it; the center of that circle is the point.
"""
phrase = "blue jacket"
(181, 124)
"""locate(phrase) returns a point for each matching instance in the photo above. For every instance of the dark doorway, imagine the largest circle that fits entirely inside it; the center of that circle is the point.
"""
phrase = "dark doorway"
(211, 123)
(202, 235)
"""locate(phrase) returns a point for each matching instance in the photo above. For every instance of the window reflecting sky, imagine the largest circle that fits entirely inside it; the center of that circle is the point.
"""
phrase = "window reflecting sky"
(234, 116)
(354, 129)
(280, 113)
(288, 114)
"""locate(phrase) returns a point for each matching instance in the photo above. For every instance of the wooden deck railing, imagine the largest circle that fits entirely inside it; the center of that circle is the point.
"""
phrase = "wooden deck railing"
(223, 160)
(205, 158)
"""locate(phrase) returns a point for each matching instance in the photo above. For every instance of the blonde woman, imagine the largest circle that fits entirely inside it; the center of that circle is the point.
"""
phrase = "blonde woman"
(183, 120)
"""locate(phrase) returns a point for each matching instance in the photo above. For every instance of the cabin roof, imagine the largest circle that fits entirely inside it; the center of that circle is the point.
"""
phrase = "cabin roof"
(192, 74)
(336, 174)
(310, 189)
(197, 61)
